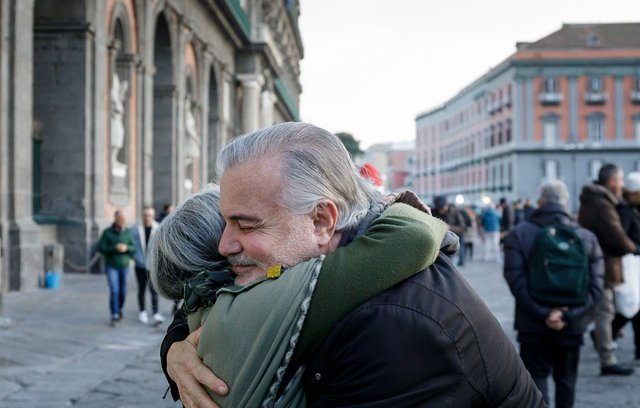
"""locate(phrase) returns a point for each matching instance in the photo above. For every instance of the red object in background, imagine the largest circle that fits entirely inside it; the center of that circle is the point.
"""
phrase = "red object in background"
(369, 171)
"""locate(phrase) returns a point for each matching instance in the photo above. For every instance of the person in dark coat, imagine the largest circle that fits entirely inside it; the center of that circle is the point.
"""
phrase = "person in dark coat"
(629, 210)
(454, 219)
(550, 337)
(508, 218)
(598, 214)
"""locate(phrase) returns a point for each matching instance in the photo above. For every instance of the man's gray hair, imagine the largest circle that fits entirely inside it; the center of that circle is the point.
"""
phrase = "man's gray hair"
(555, 192)
(315, 166)
(186, 242)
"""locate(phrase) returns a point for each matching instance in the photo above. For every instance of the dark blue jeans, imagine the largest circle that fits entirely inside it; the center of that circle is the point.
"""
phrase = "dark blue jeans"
(117, 280)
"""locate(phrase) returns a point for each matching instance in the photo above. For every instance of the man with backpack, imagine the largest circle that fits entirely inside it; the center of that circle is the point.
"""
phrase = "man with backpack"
(598, 213)
(555, 271)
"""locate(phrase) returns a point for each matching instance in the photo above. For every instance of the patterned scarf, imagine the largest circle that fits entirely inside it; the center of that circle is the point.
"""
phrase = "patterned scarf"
(201, 290)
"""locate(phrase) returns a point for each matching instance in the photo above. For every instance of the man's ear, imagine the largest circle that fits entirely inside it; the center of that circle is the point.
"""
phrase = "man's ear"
(325, 217)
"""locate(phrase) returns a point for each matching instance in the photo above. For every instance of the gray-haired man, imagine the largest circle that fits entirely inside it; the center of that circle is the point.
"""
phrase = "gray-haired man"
(550, 336)
(290, 192)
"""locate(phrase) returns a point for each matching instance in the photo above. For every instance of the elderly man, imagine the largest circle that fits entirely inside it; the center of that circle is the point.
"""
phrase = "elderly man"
(550, 335)
(429, 341)
(598, 213)
(117, 247)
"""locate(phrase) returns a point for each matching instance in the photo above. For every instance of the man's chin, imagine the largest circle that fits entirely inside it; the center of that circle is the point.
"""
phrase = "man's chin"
(246, 275)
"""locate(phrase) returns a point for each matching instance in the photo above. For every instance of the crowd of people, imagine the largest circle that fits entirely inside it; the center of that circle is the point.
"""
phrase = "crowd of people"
(321, 269)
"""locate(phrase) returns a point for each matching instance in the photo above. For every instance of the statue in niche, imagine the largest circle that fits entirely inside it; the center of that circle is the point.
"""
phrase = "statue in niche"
(191, 144)
(118, 94)
(192, 140)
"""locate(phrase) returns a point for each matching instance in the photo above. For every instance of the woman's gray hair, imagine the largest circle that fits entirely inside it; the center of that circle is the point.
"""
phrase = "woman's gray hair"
(315, 166)
(555, 192)
(186, 242)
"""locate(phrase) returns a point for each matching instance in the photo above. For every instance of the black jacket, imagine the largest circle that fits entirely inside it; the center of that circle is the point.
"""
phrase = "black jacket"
(630, 220)
(428, 342)
(530, 315)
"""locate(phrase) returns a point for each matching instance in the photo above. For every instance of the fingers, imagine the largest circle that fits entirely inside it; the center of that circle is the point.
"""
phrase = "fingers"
(191, 375)
(194, 337)
(410, 198)
(206, 377)
(193, 395)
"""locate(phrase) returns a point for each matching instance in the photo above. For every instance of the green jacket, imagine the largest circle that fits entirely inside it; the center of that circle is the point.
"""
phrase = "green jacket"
(107, 247)
(251, 333)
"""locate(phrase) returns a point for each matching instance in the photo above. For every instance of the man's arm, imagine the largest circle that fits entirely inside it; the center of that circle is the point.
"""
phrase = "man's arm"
(184, 369)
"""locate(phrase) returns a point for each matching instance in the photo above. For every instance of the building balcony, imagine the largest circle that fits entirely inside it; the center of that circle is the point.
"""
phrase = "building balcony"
(635, 96)
(506, 101)
(595, 98)
(550, 98)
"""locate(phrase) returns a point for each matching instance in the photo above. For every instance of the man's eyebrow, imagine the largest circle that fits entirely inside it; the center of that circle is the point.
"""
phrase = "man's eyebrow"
(244, 217)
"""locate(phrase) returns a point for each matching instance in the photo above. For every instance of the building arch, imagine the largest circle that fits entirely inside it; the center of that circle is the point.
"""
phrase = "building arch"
(122, 79)
(164, 158)
(213, 123)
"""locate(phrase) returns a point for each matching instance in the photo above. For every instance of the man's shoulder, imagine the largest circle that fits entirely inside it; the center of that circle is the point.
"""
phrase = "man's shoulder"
(439, 287)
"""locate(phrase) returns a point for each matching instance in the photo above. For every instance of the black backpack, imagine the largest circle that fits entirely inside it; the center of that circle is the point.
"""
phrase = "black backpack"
(559, 267)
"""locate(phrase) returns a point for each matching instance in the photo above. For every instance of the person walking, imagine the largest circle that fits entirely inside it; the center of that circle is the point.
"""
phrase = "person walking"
(142, 234)
(491, 234)
(117, 247)
(471, 218)
(550, 333)
(598, 213)
(629, 211)
(454, 219)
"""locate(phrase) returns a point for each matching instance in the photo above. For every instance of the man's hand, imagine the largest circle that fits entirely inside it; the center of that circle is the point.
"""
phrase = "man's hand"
(554, 320)
(122, 248)
(410, 198)
(186, 368)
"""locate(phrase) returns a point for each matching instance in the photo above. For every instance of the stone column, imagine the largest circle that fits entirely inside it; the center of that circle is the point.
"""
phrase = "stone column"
(251, 86)
(25, 250)
(267, 99)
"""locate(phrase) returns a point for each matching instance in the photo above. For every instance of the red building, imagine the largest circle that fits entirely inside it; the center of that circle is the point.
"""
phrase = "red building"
(559, 107)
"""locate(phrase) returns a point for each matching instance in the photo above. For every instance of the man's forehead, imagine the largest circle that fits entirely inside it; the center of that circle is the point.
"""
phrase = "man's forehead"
(246, 190)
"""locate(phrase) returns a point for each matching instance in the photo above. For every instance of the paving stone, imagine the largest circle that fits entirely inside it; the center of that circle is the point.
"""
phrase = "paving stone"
(61, 352)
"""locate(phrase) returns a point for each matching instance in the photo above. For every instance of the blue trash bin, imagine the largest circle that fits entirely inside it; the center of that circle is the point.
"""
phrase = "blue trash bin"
(52, 280)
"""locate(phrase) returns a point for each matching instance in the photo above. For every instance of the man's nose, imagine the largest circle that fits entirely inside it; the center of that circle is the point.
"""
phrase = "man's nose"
(229, 245)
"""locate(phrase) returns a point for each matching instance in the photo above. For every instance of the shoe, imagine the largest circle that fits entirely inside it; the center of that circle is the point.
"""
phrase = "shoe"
(114, 320)
(615, 369)
(143, 318)
(158, 318)
(119, 316)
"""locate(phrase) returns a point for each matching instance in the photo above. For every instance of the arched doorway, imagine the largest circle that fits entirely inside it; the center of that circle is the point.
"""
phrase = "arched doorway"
(163, 163)
(213, 142)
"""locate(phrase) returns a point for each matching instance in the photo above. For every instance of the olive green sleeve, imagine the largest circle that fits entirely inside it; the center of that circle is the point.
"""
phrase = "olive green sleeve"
(400, 243)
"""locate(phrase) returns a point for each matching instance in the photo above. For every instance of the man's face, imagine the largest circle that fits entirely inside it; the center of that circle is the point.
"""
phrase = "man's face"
(616, 183)
(259, 231)
(148, 216)
(120, 220)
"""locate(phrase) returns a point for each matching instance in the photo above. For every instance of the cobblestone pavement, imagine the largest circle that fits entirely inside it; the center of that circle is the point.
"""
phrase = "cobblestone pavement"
(60, 351)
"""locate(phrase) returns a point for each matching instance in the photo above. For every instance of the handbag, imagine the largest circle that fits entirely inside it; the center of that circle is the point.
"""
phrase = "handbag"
(627, 294)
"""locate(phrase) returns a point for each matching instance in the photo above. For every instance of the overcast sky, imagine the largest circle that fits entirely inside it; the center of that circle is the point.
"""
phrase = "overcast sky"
(370, 66)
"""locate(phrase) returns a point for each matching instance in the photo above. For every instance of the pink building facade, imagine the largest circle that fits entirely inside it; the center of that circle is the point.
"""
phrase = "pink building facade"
(557, 108)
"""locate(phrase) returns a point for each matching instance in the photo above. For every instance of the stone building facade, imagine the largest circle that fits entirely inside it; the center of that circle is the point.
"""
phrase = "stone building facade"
(559, 107)
(118, 104)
